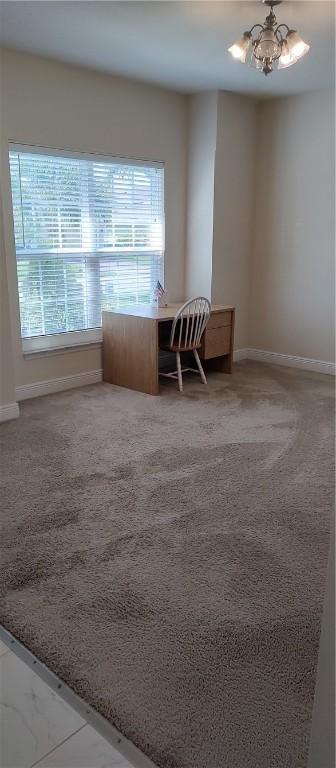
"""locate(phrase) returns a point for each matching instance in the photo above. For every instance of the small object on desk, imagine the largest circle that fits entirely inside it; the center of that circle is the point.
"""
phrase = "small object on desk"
(160, 296)
(132, 336)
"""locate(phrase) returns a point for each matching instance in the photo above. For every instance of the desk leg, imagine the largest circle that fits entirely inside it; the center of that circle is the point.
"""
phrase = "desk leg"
(225, 363)
(130, 352)
(220, 364)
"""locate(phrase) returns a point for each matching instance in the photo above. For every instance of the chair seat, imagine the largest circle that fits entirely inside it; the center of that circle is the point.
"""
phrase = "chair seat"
(177, 348)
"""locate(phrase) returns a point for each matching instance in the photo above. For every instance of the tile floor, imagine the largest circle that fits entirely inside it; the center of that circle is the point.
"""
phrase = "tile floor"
(38, 728)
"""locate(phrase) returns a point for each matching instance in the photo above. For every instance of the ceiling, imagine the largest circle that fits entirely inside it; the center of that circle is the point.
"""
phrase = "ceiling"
(181, 45)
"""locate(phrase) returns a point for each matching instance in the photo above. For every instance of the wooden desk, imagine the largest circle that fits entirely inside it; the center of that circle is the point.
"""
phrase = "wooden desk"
(131, 344)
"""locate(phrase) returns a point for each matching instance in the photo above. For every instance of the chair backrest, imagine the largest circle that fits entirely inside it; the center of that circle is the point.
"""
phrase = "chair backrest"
(189, 323)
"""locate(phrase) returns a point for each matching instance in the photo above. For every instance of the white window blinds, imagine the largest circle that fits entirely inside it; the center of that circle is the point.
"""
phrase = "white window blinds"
(89, 236)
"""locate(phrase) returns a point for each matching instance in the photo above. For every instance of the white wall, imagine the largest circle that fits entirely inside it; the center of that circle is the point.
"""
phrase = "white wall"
(47, 103)
(234, 207)
(292, 298)
(202, 138)
(281, 185)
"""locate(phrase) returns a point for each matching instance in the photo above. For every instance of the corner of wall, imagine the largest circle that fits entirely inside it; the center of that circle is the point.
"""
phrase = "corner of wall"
(254, 221)
(234, 201)
(202, 135)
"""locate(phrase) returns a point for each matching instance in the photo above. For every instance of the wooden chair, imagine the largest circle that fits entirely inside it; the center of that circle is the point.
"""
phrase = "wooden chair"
(186, 335)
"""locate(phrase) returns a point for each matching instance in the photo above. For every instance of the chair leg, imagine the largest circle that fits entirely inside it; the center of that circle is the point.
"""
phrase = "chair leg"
(199, 366)
(179, 372)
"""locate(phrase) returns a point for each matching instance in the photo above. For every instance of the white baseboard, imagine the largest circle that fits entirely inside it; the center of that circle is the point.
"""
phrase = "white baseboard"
(240, 354)
(292, 361)
(39, 388)
(8, 412)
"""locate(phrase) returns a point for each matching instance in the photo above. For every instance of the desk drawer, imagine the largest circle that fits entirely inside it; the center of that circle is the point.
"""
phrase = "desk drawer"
(216, 342)
(218, 319)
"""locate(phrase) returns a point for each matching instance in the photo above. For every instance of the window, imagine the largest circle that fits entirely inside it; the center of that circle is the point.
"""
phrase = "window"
(89, 236)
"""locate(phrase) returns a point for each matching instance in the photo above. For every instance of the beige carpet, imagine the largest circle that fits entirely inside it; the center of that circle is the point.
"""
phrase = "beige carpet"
(166, 557)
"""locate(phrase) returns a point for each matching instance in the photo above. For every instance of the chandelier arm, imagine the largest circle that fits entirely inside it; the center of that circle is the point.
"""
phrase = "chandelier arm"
(255, 27)
(279, 36)
(279, 27)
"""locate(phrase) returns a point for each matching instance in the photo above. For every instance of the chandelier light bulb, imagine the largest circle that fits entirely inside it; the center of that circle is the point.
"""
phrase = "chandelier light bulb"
(267, 46)
(286, 59)
(239, 49)
(297, 47)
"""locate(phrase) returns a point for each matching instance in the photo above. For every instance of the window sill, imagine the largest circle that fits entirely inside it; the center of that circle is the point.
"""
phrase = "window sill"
(62, 342)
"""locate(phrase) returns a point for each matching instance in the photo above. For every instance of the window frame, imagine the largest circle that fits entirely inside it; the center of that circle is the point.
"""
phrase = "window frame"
(87, 336)
(62, 340)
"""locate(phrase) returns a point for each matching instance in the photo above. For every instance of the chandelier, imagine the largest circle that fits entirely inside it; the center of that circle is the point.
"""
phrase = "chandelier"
(270, 45)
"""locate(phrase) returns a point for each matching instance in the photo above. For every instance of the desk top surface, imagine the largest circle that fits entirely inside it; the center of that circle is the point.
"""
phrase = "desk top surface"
(158, 313)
